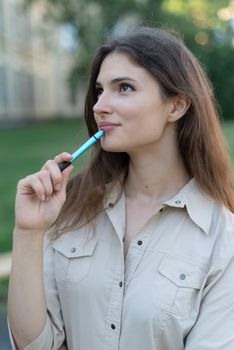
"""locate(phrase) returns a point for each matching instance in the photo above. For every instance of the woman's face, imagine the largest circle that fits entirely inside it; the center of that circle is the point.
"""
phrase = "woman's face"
(130, 108)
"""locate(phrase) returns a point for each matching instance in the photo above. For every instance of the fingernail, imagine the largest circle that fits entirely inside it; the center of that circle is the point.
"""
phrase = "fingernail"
(43, 197)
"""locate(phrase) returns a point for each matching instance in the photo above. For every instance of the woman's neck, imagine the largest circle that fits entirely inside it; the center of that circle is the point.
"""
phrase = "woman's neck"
(155, 176)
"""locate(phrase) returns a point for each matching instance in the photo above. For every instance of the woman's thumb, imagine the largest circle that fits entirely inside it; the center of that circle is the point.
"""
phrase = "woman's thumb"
(66, 175)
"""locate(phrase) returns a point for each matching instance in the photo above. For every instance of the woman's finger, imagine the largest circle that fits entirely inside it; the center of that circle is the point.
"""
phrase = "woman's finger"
(63, 157)
(32, 185)
(66, 174)
(46, 180)
(55, 174)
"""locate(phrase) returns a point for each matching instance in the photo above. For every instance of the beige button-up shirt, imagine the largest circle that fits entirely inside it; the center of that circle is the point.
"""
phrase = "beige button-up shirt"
(174, 290)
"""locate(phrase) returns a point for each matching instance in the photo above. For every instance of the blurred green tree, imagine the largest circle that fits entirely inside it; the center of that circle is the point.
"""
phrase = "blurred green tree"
(92, 21)
(211, 38)
(207, 35)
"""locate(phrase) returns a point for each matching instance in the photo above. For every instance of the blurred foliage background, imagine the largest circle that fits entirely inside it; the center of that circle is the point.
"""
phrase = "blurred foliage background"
(206, 26)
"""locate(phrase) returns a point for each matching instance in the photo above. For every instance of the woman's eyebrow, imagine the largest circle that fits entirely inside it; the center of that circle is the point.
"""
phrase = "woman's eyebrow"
(117, 80)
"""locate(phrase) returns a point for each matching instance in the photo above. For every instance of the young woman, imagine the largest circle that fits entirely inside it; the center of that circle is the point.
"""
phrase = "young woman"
(139, 247)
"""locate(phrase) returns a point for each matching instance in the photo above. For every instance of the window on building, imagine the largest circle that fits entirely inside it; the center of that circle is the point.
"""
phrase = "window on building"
(1, 17)
(3, 88)
(24, 91)
(20, 25)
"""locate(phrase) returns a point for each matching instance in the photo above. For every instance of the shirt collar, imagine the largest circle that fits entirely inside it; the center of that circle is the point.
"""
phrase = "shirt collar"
(114, 206)
(198, 204)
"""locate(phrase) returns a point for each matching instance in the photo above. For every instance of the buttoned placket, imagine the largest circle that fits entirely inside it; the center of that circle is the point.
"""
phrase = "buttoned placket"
(113, 324)
(126, 268)
(138, 246)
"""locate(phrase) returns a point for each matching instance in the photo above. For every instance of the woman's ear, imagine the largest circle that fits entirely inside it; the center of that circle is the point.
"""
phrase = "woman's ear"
(179, 106)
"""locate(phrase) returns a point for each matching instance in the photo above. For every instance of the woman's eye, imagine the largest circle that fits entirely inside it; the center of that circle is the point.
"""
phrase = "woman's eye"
(98, 92)
(124, 87)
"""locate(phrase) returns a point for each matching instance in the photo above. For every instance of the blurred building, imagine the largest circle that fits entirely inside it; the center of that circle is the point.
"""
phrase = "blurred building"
(34, 64)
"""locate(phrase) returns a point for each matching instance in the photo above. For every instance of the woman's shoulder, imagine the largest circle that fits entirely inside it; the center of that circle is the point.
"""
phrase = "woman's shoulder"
(201, 202)
(223, 221)
(221, 236)
(216, 220)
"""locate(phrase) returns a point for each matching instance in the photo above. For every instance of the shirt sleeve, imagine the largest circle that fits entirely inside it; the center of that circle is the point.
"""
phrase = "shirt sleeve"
(52, 335)
(214, 328)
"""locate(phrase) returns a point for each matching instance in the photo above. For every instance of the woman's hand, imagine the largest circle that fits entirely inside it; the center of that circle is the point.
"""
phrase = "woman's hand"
(41, 196)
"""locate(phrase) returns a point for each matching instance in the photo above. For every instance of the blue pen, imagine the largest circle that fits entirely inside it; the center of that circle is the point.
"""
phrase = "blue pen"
(82, 149)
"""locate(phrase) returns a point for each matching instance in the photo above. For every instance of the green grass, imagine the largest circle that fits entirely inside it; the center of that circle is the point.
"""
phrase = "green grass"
(24, 150)
(3, 294)
(228, 129)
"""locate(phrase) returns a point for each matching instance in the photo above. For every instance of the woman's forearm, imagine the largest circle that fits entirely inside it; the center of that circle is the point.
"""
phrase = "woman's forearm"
(26, 300)
(39, 199)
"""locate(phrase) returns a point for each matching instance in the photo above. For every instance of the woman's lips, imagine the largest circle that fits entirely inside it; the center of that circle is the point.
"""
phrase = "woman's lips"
(107, 126)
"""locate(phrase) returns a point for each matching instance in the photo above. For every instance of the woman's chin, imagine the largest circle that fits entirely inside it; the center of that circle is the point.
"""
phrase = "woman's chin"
(114, 149)
(110, 147)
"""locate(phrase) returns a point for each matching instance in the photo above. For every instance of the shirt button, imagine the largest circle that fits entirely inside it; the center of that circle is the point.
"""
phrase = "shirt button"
(139, 242)
(111, 205)
(182, 276)
(121, 284)
(177, 202)
(112, 326)
(73, 250)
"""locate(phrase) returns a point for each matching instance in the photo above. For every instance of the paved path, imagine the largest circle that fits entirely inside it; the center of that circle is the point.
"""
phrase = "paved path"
(5, 267)
(4, 338)
(5, 264)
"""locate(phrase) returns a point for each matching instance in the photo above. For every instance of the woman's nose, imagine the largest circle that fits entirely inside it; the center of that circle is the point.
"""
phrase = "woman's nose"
(103, 105)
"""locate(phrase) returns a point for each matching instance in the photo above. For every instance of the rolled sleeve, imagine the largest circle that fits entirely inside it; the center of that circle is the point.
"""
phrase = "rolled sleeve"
(52, 335)
(214, 328)
(44, 341)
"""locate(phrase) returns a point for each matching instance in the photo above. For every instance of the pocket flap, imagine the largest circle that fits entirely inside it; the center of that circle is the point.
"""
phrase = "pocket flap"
(182, 273)
(73, 247)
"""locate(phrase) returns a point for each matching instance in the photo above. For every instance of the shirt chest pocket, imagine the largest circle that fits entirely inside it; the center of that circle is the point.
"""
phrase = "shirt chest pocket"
(176, 286)
(73, 258)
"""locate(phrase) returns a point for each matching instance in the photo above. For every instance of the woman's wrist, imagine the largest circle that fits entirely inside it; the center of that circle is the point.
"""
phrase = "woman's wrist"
(33, 236)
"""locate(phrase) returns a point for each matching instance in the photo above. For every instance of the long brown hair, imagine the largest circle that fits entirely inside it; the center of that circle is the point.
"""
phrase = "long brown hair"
(200, 138)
